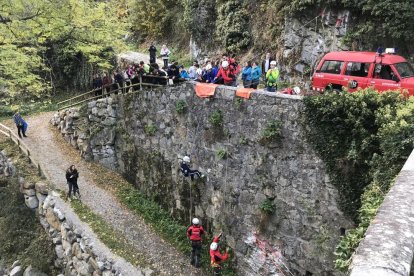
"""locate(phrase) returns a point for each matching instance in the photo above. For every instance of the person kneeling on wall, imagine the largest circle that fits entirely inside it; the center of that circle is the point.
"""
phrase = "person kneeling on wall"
(216, 257)
(185, 169)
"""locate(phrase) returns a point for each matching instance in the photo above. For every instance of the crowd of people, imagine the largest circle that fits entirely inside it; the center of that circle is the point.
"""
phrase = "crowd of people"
(225, 70)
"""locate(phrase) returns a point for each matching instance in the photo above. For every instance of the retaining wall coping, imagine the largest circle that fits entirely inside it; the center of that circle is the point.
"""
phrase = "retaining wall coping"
(388, 247)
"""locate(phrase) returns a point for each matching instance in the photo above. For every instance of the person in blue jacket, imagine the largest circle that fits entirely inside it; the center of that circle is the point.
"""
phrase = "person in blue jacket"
(247, 75)
(209, 73)
(256, 73)
(20, 124)
(184, 73)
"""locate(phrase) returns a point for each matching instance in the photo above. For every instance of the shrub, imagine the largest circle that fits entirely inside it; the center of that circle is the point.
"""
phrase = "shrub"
(267, 206)
(181, 107)
(272, 132)
(364, 139)
(216, 118)
(222, 154)
(150, 129)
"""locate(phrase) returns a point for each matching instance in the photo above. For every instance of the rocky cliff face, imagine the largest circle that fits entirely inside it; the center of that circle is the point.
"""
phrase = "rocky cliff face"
(272, 197)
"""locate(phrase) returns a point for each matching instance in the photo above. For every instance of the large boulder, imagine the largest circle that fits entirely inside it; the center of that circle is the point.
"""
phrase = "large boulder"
(52, 219)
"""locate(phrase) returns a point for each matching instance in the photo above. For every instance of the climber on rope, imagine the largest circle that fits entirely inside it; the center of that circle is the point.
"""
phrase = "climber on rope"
(72, 176)
(185, 169)
(216, 257)
(194, 233)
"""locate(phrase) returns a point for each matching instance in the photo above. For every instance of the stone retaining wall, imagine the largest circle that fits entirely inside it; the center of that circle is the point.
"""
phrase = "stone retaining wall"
(144, 135)
(78, 250)
(388, 247)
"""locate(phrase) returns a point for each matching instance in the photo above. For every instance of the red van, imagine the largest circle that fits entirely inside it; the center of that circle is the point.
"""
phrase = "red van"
(363, 69)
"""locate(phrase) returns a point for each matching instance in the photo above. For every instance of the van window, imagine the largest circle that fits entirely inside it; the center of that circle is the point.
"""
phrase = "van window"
(404, 69)
(332, 67)
(383, 72)
(357, 69)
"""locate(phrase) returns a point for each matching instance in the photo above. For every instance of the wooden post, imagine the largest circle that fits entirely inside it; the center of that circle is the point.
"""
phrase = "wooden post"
(39, 170)
(10, 135)
(18, 144)
(140, 82)
(28, 155)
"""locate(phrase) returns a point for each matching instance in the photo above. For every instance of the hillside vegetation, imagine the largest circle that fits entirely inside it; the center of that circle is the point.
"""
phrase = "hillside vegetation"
(50, 46)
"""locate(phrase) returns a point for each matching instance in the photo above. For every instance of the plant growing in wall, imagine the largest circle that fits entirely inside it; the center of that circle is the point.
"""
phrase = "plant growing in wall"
(216, 118)
(267, 206)
(180, 106)
(272, 132)
(222, 154)
(150, 129)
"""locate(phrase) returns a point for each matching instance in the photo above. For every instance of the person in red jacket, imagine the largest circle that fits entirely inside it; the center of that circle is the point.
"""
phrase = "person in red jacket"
(194, 233)
(216, 256)
(225, 74)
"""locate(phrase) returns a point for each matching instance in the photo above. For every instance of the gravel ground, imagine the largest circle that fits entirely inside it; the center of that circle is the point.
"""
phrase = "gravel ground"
(52, 154)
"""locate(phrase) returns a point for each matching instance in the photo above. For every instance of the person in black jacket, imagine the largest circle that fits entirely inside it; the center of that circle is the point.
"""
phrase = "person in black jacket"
(185, 169)
(153, 53)
(72, 179)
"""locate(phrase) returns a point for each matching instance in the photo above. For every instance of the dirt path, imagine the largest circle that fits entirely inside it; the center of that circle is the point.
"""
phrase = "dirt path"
(164, 259)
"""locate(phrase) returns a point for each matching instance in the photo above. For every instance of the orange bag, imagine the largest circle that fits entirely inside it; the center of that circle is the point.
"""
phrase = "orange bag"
(244, 92)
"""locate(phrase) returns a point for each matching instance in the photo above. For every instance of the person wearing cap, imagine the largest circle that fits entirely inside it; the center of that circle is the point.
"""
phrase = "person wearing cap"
(194, 233)
(272, 77)
(216, 258)
(210, 73)
(266, 63)
(225, 75)
(185, 169)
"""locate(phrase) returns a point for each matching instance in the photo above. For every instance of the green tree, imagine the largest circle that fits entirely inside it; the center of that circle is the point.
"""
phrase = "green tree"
(33, 32)
(232, 27)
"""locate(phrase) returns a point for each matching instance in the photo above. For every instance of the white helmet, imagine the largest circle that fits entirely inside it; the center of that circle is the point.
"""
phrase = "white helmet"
(296, 90)
(186, 159)
(196, 221)
(208, 66)
(273, 62)
(225, 64)
(214, 246)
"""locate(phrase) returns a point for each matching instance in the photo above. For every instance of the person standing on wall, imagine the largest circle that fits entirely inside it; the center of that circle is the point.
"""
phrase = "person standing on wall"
(72, 176)
(216, 257)
(20, 124)
(165, 54)
(153, 53)
(272, 77)
(194, 233)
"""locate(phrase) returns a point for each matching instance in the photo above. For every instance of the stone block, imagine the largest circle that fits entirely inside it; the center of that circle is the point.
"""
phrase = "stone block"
(30, 271)
(31, 202)
(52, 219)
(29, 192)
(17, 271)
(42, 188)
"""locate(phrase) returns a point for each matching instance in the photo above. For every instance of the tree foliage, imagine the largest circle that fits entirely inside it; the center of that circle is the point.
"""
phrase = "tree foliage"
(30, 30)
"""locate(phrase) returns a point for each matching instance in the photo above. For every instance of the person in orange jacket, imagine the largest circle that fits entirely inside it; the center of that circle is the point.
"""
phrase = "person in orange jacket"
(216, 256)
(194, 233)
